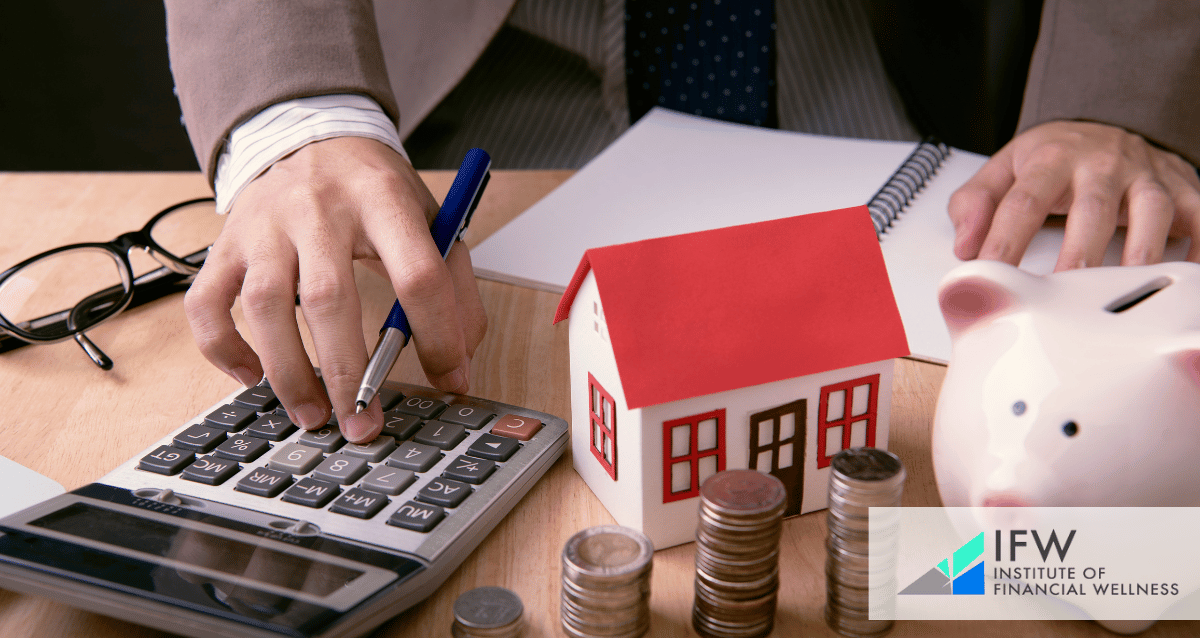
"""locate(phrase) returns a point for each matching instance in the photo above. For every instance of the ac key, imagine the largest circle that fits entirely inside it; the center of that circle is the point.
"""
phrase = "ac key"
(444, 492)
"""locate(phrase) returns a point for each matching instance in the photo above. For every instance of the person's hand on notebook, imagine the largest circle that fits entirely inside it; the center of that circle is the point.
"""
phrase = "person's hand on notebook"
(298, 228)
(1099, 176)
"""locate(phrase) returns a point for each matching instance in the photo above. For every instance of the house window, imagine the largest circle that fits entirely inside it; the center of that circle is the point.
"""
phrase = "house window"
(603, 426)
(846, 417)
(693, 450)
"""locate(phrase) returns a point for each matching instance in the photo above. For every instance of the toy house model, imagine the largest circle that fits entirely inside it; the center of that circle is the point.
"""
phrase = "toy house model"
(766, 346)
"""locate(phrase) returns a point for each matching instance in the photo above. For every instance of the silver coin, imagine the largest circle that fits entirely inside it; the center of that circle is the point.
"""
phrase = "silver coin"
(487, 608)
(743, 492)
(608, 551)
(867, 464)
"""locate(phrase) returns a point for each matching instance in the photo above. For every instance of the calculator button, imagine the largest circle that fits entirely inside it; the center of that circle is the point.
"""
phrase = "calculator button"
(444, 492)
(414, 456)
(420, 406)
(342, 469)
(327, 439)
(417, 516)
(400, 426)
(259, 398)
(496, 448)
(469, 470)
(230, 417)
(375, 451)
(388, 398)
(211, 470)
(440, 434)
(272, 427)
(466, 415)
(199, 438)
(359, 503)
(166, 460)
(264, 482)
(516, 427)
(296, 458)
(242, 448)
(311, 492)
(387, 480)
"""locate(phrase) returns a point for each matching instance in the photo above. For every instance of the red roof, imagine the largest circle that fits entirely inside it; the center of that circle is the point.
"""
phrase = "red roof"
(706, 312)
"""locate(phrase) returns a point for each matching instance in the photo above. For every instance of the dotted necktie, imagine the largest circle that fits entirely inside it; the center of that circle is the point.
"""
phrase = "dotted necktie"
(714, 58)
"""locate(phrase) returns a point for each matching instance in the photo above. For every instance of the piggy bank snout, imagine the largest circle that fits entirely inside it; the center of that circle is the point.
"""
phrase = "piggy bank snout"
(1004, 499)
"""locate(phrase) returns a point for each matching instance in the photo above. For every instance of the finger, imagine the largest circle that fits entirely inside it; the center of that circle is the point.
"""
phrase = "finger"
(1183, 183)
(269, 304)
(333, 312)
(1023, 210)
(1091, 221)
(425, 290)
(466, 293)
(973, 205)
(1151, 213)
(206, 305)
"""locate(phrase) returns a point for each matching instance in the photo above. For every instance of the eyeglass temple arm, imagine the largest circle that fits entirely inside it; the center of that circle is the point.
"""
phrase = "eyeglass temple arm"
(93, 351)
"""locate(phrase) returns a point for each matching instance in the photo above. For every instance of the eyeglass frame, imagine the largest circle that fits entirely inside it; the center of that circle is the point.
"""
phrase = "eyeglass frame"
(155, 284)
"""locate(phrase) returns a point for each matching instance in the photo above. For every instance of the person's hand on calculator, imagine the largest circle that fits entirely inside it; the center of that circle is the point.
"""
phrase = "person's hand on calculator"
(297, 229)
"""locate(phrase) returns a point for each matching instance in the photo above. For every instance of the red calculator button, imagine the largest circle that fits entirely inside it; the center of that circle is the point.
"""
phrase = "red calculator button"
(516, 427)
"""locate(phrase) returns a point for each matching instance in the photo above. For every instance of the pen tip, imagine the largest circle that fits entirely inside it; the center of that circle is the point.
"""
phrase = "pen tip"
(359, 406)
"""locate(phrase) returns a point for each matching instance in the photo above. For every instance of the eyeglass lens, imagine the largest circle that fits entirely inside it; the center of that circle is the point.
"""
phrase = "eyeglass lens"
(39, 298)
(188, 229)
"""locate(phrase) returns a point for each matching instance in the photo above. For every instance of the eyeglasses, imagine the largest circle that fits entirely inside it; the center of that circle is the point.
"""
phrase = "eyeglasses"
(62, 293)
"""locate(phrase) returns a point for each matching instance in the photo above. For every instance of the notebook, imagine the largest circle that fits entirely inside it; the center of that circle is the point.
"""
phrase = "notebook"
(674, 173)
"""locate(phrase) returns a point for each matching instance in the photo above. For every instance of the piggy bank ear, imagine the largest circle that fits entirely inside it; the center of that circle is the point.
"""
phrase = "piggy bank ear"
(979, 290)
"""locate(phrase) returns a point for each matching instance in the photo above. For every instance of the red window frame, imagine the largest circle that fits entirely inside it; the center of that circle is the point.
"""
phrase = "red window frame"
(694, 455)
(597, 421)
(823, 424)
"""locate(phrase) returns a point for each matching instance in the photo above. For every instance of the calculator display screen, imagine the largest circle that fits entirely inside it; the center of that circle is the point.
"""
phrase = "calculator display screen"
(191, 546)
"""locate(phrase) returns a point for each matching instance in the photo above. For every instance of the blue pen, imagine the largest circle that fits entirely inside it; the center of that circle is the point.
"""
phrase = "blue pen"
(447, 227)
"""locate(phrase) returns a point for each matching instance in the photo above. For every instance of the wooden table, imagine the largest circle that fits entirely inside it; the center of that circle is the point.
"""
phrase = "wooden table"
(64, 417)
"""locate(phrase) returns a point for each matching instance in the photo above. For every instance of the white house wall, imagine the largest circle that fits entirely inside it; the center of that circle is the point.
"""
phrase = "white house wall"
(669, 524)
(591, 352)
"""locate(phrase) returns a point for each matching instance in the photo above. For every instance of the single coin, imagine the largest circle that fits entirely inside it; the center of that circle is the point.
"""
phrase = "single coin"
(867, 464)
(488, 608)
(608, 551)
(743, 492)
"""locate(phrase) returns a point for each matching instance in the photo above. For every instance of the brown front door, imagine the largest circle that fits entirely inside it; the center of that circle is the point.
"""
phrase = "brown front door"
(777, 446)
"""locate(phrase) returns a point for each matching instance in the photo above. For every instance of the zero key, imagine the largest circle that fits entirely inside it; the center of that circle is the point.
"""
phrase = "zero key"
(516, 427)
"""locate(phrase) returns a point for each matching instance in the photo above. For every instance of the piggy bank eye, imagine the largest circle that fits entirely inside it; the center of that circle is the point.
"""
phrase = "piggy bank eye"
(1019, 408)
(1070, 428)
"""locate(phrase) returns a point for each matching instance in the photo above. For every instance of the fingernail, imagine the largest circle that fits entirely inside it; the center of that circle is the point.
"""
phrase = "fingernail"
(455, 381)
(309, 416)
(357, 427)
(245, 377)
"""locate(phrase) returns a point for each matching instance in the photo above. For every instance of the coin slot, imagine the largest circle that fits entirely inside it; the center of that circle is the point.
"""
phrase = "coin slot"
(1138, 295)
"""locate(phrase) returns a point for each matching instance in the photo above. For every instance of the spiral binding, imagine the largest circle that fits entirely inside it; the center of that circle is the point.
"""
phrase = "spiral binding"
(890, 200)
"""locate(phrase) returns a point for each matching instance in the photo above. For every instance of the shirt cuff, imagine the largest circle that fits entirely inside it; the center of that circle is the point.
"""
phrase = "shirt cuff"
(280, 129)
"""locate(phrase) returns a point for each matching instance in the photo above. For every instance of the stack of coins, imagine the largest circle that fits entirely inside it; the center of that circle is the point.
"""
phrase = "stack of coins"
(861, 478)
(737, 554)
(488, 612)
(606, 583)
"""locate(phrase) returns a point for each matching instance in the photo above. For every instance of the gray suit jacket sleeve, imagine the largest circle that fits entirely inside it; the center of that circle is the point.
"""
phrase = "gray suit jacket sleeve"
(1130, 64)
(233, 59)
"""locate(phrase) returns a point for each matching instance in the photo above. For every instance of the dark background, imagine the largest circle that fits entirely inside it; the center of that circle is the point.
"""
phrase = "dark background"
(86, 86)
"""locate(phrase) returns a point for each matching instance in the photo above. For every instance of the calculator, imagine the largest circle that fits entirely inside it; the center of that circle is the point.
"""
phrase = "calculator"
(240, 523)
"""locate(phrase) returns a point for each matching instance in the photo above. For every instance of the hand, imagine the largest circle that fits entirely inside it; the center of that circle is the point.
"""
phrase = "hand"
(298, 228)
(1099, 176)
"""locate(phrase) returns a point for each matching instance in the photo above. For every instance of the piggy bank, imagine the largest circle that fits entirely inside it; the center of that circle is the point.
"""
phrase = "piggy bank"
(1080, 388)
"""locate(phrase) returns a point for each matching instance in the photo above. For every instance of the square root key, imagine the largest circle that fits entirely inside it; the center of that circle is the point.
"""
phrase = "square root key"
(199, 438)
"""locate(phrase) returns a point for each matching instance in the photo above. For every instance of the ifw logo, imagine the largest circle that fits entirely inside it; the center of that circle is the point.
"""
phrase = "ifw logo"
(955, 575)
